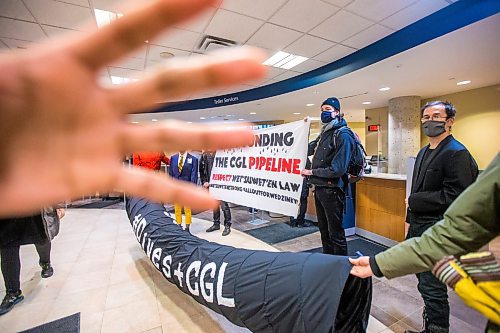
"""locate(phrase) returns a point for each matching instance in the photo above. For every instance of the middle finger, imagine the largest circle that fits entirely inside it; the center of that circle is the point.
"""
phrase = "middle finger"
(186, 76)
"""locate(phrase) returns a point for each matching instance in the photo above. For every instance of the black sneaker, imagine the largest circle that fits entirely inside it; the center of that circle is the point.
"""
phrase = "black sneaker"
(215, 226)
(10, 300)
(227, 230)
(187, 228)
(304, 224)
(47, 270)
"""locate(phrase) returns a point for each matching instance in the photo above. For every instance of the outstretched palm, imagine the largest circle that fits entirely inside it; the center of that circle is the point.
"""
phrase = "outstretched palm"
(64, 135)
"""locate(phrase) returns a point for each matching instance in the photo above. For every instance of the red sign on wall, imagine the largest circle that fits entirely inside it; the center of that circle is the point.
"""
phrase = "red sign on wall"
(373, 128)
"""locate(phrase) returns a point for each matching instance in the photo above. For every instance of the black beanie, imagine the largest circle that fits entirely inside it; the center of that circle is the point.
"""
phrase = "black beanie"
(332, 101)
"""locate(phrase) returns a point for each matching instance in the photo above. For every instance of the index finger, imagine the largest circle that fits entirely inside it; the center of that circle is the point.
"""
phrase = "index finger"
(132, 30)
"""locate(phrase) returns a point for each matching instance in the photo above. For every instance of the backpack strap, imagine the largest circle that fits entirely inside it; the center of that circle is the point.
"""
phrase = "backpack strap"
(344, 177)
(337, 133)
(353, 136)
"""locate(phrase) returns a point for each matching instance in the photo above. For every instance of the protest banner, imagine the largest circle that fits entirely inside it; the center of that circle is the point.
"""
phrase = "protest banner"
(278, 292)
(265, 175)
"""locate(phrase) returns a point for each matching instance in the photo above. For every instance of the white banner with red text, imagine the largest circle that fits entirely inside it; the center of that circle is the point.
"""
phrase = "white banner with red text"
(265, 175)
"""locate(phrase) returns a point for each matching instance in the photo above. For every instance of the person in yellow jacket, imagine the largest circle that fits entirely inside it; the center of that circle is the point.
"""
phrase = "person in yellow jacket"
(471, 221)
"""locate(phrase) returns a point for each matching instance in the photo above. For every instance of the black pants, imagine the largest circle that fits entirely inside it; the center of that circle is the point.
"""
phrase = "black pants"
(11, 263)
(302, 209)
(329, 210)
(434, 293)
(226, 211)
(301, 217)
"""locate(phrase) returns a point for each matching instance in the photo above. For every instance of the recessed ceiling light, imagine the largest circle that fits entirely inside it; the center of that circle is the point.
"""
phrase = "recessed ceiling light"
(253, 112)
(310, 104)
(275, 58)
(166, 54)
(385, 89)
(121, 80)
(297, 60)
(366, 103)
(104, 17)
(202, 118)
(189, 122)
(241, 119)
(296, 113)
(134, 122)
(461, 83)
(284, 60)
(154, 119)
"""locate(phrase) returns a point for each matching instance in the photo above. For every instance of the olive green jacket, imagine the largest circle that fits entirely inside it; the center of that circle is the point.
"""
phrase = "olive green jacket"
(471, 221)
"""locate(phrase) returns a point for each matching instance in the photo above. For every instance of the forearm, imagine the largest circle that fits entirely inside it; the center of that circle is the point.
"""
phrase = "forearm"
(324, 173)
(337, 169)
(419, 254)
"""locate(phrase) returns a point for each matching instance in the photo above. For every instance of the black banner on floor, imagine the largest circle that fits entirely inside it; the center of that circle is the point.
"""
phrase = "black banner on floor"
(263, 291)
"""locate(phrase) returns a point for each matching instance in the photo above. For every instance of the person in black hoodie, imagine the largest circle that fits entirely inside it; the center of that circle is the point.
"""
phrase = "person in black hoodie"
(206, 164)
(332, 152)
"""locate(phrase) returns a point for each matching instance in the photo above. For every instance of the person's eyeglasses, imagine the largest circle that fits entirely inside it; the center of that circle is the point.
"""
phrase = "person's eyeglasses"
(433, 117)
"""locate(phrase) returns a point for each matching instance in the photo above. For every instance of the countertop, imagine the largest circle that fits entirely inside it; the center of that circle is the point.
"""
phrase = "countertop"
(391, 176)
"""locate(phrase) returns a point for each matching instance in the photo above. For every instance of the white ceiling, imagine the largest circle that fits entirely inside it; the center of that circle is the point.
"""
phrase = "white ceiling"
(323, 30)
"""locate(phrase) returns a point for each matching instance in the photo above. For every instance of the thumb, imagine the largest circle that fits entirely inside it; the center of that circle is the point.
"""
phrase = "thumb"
(354, 261)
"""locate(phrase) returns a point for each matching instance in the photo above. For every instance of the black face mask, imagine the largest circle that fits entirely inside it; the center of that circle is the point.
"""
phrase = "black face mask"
(326, 117)
(433, 128)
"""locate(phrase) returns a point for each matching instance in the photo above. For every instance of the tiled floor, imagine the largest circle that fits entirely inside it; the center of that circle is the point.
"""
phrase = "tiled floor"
(101, 271)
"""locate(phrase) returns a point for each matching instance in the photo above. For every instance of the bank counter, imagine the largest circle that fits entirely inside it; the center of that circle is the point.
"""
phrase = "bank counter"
(380, 207)
(378, 211)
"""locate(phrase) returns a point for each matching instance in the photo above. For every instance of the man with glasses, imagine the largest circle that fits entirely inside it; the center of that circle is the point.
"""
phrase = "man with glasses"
(443, 169)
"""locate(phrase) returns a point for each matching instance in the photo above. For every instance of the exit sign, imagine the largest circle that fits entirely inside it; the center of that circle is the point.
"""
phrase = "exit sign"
(373, 128)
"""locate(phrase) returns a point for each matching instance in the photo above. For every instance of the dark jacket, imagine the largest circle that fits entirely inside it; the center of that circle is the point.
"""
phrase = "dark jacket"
(189, 172)
(206, 164)
(470, 222)
(17, 231)
(22, 231)
(438, 181)
(331, 157)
